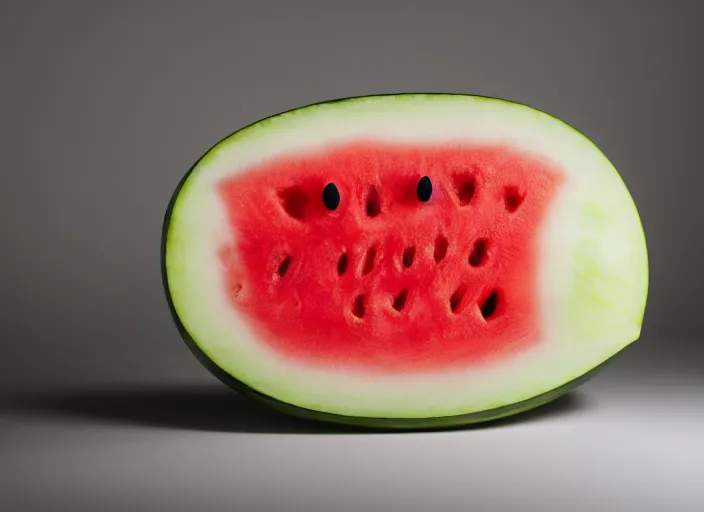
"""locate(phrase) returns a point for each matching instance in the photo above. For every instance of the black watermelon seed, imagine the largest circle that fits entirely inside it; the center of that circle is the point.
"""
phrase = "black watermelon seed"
(331, 196)
(424, 189)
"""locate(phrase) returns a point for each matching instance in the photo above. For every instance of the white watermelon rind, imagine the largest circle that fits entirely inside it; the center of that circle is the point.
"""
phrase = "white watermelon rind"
(593, 276)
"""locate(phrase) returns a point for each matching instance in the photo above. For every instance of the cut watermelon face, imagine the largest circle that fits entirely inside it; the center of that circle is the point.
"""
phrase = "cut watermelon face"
(405, 260)
(423, 258)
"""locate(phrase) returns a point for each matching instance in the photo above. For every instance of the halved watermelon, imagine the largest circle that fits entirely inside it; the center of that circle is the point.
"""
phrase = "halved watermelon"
(405, 261)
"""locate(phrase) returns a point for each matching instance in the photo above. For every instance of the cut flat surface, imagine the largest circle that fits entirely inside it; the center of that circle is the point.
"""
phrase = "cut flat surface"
(588, 286)
(388, 282)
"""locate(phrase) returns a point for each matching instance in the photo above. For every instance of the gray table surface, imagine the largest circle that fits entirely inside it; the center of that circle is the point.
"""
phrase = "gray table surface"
(631, 439)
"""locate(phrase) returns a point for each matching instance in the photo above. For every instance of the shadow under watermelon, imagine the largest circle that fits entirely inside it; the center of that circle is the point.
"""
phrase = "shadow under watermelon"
(218, 409)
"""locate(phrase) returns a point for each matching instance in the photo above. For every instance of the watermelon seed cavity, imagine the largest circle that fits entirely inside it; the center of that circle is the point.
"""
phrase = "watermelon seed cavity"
(456, 298)
(369, 261)
(441, 244)
(400, 300)
(295, 201)
(477, 256)
(342, 264)
(465, 188)
(409, 254)
(373, 207)
(512, 199)
(489, 305)
(284, 266)
(358, 307)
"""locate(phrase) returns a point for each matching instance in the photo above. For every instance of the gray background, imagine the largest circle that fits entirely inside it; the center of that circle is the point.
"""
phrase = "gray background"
(106, 104)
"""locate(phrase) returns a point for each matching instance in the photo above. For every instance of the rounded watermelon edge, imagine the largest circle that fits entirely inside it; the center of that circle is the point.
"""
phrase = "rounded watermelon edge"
(381, 422)
(363, 422)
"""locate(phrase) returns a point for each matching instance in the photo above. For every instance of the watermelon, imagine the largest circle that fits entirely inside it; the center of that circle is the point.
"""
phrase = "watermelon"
(405, 261)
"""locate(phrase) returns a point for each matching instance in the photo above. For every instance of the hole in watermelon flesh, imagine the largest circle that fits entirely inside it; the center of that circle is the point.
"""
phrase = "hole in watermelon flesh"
(465, 187)
(478, 254)
(373, 207)
(456, 298)
(295, 201)
(284, 266)
(358, 308)
(441, 245)
(342, 264)
(409, 253)
(489, 305)
(400, 300)
(512, 198)
(369, 261)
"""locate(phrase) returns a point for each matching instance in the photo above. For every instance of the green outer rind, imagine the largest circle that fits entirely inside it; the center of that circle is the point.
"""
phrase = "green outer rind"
(428, 423)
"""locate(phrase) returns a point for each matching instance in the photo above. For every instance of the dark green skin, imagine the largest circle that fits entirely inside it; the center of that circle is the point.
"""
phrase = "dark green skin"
(430, 423)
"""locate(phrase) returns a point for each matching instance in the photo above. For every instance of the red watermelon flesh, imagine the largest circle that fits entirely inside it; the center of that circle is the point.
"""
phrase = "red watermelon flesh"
(386, 282)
